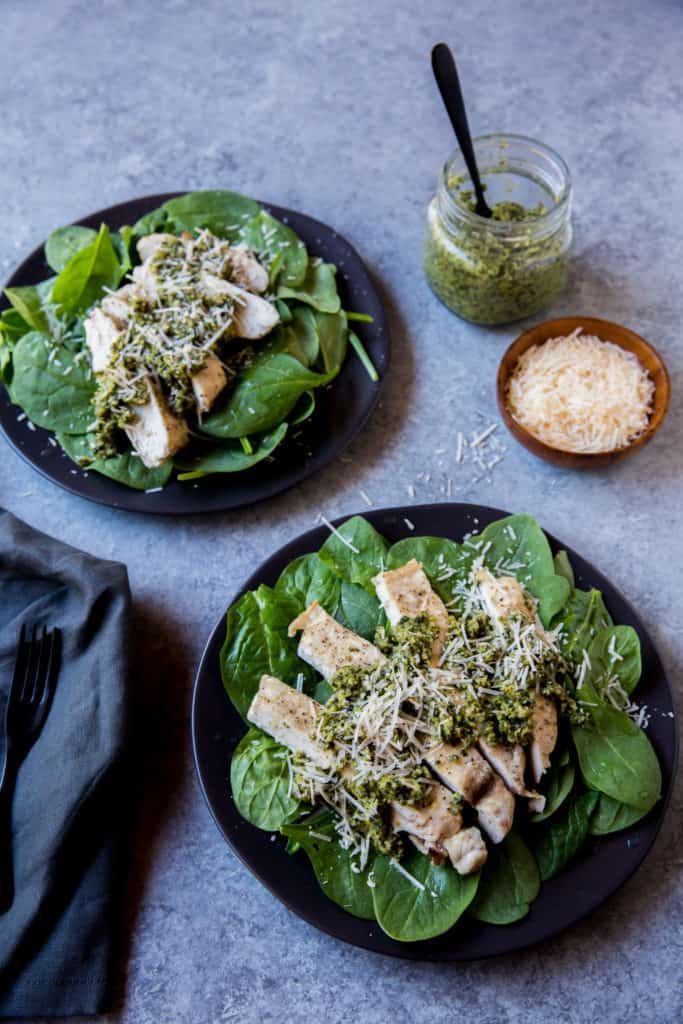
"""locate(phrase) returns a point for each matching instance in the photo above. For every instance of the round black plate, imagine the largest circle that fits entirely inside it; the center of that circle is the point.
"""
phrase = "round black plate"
(341, 412)
(605, 864)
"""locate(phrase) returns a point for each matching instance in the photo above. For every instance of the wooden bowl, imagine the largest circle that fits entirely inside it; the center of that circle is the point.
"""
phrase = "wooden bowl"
(607, 331)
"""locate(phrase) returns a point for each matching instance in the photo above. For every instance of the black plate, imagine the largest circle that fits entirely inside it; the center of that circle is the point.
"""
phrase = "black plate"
(604, 866)
(341, 412)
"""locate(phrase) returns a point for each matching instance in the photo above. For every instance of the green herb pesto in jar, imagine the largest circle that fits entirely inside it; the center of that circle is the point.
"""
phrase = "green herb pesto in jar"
(505, 268)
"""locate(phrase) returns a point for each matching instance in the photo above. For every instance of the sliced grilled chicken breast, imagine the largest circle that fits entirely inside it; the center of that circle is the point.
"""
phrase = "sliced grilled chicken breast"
(545, 735)
(468, 773)
(157, 433)
(406, 593)
(289, 716)
(510, 763)
(328, 646)
(100, 334)
(253, 317)
(504, 596)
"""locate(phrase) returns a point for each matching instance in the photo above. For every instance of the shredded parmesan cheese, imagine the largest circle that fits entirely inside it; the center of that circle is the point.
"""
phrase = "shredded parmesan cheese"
(581, 394)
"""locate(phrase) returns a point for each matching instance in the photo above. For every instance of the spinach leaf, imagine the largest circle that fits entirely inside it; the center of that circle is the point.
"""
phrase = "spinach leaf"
(615, 756)
(445, 562)
(612, 816)
(625, 663)
(509, 883)
(303, 409)
(126, 468)
(265, 394)
(563, 837)
(63, 244)
(13, 326)
(298, 337)
(332, 865)
(87, 274)
(518, 546)
(552, 593)
(333, 336)
(223, 213)
(563, 567)
(359, 556)
(230, 457)
(408, 913)
(318, 289)
(558, 783)
(52, 384)
(28, 303)
(256, 643)
(581, 618)
(152, 222)
(259, 778)
(269, 238)
(308, 579)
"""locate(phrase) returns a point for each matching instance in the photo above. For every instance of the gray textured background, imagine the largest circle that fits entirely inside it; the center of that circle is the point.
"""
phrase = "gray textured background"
(330, 108)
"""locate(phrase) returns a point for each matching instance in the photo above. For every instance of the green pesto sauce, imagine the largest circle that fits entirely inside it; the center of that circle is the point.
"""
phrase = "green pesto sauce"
(165, 340)
(501, 717)
(488, 278)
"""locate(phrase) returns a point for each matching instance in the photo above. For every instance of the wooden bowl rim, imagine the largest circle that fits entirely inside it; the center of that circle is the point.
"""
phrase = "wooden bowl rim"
(640, 347)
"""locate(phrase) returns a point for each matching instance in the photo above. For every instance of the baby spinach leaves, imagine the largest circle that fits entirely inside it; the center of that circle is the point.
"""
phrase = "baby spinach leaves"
(221, 212)
(87, 274)
(272, 240)
(126, 468)
(615, 756)
(563, 567)
(265, 394)
(561, 839)
(318, 288)
(412, 912)
(28, 303)
(53, 384)
(63, 244)
(612, 816)
(509, 883)
(582, 617)
(445, 562)
(332, 865)
(257, 643)
(552, 593)
(517, 545)
(356, 552)
(557, 784)
(229, 456)
(614, 652)
(309, 579)
(260, 782)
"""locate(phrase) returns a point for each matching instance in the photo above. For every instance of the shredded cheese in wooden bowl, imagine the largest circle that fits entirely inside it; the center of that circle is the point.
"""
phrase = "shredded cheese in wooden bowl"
(580, 393)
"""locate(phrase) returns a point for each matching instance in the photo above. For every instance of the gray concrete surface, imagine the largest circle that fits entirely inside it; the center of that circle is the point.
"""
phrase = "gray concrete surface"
(330, 108)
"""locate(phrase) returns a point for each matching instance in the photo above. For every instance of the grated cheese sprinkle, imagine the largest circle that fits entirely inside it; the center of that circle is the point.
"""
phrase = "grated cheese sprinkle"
(581, 394)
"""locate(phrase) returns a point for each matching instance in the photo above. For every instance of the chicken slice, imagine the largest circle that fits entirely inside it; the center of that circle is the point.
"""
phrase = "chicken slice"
(504, 596)
(117, 305)
(100, 334)
(208, 382)
(466, 772)
(156, 433)
(545, 735)
(510, 763)
(328, 646)
(406, 593)
(148, 245)
(246, 271)
(289, 716)
(253, 317)
(437, 831)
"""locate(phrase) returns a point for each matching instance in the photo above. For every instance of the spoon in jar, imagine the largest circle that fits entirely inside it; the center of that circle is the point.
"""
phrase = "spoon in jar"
(446, 76)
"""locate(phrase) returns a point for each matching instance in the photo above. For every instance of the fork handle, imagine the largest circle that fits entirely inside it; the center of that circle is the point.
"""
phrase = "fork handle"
(6, 844)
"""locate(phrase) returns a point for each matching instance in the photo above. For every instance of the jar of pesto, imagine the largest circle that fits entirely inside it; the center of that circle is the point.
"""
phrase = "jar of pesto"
(499, 269)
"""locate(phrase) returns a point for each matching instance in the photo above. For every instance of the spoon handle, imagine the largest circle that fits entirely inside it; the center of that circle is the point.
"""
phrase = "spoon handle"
(446, 76)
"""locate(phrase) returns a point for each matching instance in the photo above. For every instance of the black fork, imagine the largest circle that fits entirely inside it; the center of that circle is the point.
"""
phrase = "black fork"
(30, 695)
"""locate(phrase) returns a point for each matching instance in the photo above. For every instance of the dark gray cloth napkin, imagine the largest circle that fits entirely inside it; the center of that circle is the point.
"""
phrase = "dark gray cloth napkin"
(58, 938)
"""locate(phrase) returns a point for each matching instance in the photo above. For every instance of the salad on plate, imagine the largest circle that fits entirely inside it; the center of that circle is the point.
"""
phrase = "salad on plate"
(192, 342)
(438, 727)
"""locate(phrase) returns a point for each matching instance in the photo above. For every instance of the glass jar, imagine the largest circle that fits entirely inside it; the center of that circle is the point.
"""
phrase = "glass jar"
(493, 271)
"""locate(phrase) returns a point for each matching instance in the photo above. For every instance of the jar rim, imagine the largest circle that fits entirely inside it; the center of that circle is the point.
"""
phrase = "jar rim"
(545, 223)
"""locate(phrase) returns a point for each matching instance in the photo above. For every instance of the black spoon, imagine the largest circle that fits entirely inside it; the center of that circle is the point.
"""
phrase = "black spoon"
(446, 76)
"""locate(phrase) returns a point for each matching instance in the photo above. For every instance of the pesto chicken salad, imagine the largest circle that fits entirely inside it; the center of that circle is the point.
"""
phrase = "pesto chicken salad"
(438, 727)
(194, 341)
